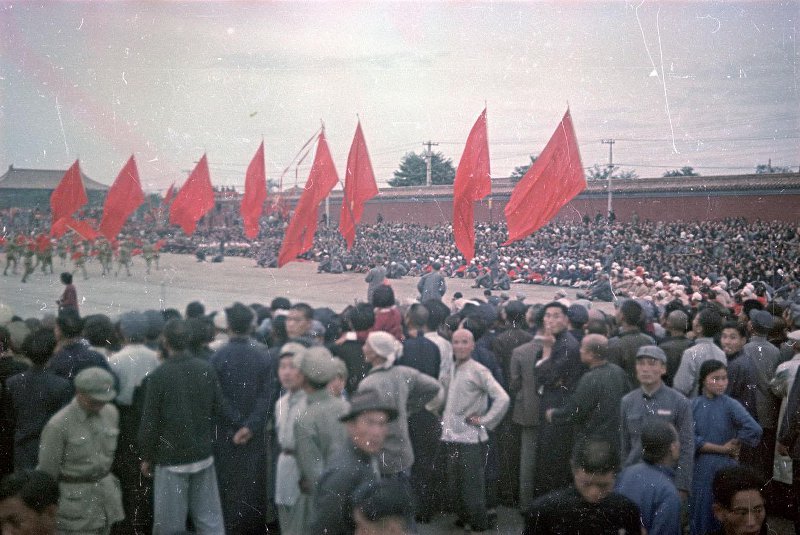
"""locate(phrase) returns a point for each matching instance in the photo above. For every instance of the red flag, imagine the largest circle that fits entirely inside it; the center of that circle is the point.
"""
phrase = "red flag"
(69, 195)
(194, 200)
(82, 228)
(168, 196)
(255, 193)
(299, 235)
(473, 182)
(551, 182)
(124, 197)
(359, 187)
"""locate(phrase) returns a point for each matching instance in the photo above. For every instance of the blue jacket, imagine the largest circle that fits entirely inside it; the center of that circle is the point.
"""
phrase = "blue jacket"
(652, 488)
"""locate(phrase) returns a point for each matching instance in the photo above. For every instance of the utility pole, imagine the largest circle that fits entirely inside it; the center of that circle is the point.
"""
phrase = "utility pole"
(610, 143)
(428, 161)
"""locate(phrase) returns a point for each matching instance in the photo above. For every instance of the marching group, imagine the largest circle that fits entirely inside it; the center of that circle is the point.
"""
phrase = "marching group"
(378, 419)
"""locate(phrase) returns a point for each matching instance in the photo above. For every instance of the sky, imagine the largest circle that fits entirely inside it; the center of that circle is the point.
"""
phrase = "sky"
(712, 85)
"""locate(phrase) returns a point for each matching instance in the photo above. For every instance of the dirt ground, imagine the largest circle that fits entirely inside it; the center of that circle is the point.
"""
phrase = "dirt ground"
(181, 279)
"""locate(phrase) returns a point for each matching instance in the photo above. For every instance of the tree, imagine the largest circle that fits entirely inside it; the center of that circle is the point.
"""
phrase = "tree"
(519, 171)
(596, 172)
(767, 168)
(683, 171)
(629, 174)
(412, 171)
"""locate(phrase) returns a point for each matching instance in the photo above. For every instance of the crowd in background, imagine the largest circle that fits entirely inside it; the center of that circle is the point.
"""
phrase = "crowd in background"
(645, 257)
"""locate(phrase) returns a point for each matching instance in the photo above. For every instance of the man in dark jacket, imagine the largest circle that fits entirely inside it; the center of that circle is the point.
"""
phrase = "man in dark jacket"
(432, 285)
(50, 393)
(74, 354)
(248, 379)
(593, 408)
(589, 501)
(367, 424)
(514, 334)
(789, 442)
(183, 401)
(677, 323)
(622, 348)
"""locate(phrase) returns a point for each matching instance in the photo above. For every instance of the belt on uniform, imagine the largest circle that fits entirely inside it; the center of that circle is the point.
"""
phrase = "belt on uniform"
(81, 479)
(287, 452)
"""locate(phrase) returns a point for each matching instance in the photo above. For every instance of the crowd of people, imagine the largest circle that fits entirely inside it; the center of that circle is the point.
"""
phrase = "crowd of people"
(383, 417)
(606, 259)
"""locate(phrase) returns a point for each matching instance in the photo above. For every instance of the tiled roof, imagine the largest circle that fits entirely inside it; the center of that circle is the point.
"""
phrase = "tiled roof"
(41, 179)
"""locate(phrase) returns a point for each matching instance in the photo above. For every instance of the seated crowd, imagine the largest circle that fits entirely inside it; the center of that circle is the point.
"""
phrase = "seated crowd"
(380, 418)
(726, 259)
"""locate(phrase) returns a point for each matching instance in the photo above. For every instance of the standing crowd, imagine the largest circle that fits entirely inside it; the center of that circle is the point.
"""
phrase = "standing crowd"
(661, 417)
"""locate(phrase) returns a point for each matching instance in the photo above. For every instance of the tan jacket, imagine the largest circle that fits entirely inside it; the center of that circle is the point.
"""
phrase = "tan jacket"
(77, 449)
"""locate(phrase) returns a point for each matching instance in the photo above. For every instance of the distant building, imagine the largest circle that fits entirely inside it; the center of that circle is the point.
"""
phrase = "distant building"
(31, 188)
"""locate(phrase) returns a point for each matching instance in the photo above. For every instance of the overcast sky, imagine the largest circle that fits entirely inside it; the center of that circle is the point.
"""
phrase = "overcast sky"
(711, 85)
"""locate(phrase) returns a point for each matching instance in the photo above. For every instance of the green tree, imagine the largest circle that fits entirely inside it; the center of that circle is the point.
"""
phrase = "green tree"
(596, 172)
(412, 170)
(683, 171)
(520, 170)
(767, 168)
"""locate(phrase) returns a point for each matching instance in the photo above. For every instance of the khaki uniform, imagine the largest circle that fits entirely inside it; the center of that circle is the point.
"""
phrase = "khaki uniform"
(77, 449)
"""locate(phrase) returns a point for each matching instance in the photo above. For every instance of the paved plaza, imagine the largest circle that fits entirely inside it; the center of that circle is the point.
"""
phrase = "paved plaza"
(182, 279)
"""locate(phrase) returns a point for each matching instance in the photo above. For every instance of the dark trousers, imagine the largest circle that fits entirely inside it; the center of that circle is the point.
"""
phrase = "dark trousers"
(424, 430)
(796, 493)
(761, 457)
(466, 481)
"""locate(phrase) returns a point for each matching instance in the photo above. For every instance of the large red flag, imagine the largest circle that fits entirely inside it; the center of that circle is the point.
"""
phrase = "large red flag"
(359, 187)
(194, 200)
(82, 228)
(255, 193)
(299, 235)
(169, 195)
(551, 182)
(124, 197)
(69, 195)
(473, 182)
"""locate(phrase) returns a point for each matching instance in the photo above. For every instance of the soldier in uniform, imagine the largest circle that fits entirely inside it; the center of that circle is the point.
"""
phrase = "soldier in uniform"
(157, 252)
(13, 249)
(149, 254)
(105, 255)
(79, 259)
(28, 252)
(44, 252)
(77, 448)
(124, 258)
(61, 250)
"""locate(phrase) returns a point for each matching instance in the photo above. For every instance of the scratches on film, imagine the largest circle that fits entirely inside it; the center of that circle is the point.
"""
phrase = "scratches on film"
(715, 19)
(654, 72)
(61, 122)
(664, 84)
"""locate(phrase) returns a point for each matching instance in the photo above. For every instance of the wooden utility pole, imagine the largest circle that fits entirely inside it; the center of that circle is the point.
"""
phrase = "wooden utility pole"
(428, 161)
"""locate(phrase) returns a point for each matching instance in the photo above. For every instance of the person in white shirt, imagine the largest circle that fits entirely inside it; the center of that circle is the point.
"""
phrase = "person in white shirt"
(465, 421)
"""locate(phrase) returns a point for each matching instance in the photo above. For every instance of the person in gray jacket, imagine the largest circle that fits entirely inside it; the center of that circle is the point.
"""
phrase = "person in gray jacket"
(432, 285)
(402, 388)
(375, 277)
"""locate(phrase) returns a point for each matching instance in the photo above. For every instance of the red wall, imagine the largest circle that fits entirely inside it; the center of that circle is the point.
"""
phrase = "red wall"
(686, 208)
